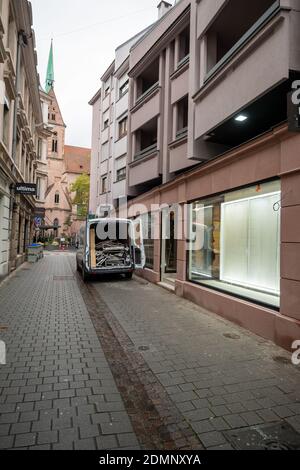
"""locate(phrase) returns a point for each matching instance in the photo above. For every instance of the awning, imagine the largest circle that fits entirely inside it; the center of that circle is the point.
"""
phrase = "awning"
(49, 227)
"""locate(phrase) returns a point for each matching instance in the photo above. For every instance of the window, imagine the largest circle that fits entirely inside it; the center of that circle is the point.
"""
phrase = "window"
(148, 79)
(6, 121)
(56, 226)
(106, 124)
(39, 149)
(107, 91)
(55, 144)
(121, 174)
(184, 44)
(123, 128)
(146, 138)
(104, 185)
(124, 89)
(235, 243)
(53, 117)
(182, 116)
(38, 189)
(56, 198)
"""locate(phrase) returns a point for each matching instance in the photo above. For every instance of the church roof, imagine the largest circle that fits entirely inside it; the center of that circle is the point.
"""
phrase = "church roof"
(77, 160)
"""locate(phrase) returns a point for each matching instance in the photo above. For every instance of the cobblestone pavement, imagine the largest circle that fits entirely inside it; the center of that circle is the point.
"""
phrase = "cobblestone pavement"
(57, 390)
(166, 375)
(218, 376)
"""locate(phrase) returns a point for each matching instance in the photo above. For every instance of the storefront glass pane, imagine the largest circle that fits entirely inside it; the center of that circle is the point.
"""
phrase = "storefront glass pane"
(236, 243)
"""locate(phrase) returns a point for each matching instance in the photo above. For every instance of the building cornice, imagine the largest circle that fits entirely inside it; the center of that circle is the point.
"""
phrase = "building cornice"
(124, 67)
(96, 97)
(275, 136)
(109, 71)
(165, 38)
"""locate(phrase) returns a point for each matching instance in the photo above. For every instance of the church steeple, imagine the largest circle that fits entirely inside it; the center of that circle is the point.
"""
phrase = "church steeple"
(50, 71)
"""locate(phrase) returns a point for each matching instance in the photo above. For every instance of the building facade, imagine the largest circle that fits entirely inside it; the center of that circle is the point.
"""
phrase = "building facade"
(22, 130)
(212, 158)
(109, 136)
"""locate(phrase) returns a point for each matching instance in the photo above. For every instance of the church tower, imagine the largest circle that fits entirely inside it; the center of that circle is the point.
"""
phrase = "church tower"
(58, 202)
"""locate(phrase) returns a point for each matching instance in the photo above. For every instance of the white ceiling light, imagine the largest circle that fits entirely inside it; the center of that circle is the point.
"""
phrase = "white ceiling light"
(241, 118)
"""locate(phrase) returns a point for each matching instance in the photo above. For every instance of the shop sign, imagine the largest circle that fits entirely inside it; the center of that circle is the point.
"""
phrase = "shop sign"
(26, 189)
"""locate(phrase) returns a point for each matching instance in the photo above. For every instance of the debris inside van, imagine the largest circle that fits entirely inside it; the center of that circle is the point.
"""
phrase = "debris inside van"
(110, 254)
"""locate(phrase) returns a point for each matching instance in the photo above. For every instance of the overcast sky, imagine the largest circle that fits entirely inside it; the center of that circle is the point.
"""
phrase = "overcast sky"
(85, 34)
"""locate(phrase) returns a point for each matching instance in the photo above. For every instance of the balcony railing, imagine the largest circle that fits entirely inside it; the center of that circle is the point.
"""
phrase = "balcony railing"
(183, 61)
(146, 93)
(146, 152)
(258, 25)
(181, 133)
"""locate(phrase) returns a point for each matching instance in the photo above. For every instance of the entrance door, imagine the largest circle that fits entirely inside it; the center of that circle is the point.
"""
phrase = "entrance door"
(169, 246)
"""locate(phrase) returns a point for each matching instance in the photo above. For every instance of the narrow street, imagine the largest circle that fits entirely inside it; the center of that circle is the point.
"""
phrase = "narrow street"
(118, 364)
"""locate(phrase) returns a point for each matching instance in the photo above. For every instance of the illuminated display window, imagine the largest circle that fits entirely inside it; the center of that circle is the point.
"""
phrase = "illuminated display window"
(235, 243)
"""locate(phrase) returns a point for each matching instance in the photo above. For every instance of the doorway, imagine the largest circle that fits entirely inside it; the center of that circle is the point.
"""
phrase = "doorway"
(169, 246)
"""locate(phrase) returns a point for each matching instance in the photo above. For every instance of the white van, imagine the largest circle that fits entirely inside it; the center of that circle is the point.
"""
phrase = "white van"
(110, 246)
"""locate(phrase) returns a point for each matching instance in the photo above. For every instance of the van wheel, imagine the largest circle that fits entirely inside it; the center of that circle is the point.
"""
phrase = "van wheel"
(85, 276)
(128, 275)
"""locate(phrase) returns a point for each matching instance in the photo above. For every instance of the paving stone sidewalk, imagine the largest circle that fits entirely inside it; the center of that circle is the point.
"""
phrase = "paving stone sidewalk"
(219, 376)
(164, 364)
(57, 390)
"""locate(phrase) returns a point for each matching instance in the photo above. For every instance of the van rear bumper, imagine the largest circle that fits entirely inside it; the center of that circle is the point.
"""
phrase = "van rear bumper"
(98, 272)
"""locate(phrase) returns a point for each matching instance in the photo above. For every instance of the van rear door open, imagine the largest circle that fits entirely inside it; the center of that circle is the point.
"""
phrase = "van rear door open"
(138, 244)
(112, 246)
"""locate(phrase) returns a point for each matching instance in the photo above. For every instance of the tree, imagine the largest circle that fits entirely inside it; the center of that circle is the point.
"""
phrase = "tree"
(81, 188)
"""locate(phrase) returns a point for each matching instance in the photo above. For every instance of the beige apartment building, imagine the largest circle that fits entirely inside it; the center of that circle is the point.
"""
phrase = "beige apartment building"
(23, 131)
(213, 149)
(109, 135)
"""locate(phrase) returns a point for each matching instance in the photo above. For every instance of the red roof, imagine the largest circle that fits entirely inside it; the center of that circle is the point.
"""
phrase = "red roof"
(77, 159)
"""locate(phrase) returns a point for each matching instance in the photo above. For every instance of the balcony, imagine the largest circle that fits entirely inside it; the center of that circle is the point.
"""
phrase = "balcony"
(224, 38)
(146, 140)
(248, 74)
(144, 167)
(147, 108)
(119, 189)
(148, 79)
(147, 152)
(144, 171)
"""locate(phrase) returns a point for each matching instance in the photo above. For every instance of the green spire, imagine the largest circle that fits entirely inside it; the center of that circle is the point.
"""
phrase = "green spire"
(50, 71)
